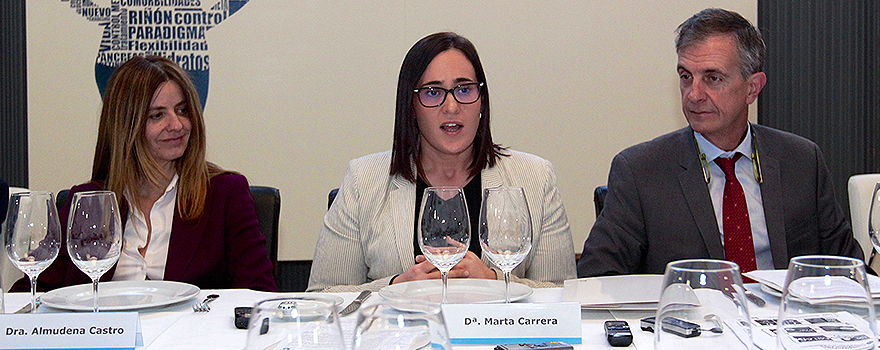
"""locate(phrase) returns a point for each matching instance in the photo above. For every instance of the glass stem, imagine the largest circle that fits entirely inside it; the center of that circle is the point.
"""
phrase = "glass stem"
(507, 287)
(443, 275)
(33, 294)
(95, 291)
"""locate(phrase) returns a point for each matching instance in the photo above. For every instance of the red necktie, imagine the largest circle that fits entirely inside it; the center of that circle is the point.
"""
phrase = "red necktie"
(738, 246)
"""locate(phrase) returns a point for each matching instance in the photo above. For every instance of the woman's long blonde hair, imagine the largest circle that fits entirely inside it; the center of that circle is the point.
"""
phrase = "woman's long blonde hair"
(122, 156)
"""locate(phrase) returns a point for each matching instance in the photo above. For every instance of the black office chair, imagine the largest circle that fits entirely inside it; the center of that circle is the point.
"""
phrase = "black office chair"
(331, 197)
(599, 198)
(61, 198)
(267, 202)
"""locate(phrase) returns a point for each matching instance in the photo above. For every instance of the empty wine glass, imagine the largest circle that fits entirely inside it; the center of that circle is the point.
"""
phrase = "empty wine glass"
(295, 322)
(32, 234)
(400, 325)
(444, 228)
(826, 305)
(505, 229)
(94, 234)
(702, 306)
(874, 219)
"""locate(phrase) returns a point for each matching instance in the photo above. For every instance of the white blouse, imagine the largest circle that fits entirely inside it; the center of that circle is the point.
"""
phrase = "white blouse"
(134, 267)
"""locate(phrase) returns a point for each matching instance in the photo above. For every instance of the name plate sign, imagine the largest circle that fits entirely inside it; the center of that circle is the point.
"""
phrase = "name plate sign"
(106, 330)
(481, 324)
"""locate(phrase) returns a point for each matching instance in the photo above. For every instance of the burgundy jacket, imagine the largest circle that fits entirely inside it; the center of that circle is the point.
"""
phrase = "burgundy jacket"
(222, 249)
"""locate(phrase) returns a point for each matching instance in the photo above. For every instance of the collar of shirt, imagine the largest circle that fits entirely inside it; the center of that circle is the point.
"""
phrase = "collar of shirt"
(133, 266)
(711, 151)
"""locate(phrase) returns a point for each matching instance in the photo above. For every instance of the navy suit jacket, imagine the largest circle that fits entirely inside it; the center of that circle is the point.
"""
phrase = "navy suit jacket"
(222, 249)
(658, 207)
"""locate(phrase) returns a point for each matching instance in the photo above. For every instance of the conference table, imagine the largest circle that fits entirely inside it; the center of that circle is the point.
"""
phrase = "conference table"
(178, 327)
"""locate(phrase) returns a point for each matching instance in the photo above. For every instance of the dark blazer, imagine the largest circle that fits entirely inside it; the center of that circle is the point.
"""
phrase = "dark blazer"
(222, 249)
(658, 207)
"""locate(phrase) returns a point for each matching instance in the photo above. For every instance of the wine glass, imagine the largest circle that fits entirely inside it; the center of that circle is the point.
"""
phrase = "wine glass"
(444, 228)
(826, 304)
(295, 322)
(702, 306)
(874, 218)
(400, 325)
(505, 229)
(32, 234)
(94, 234)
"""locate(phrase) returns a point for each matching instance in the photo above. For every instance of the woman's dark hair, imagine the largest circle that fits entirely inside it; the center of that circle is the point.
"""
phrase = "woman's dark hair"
(405, 152)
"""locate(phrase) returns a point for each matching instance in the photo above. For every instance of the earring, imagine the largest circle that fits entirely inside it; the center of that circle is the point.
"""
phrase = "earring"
(481, 115)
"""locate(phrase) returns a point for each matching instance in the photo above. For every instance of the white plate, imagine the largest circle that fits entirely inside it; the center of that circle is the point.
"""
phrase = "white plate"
(461, 291)
(120, 295)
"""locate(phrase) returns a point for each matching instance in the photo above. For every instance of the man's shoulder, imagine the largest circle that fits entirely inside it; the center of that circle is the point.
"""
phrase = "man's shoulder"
(660, 147)
(771, 138)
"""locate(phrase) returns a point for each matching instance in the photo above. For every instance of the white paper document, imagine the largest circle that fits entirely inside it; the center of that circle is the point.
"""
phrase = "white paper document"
(632, 292)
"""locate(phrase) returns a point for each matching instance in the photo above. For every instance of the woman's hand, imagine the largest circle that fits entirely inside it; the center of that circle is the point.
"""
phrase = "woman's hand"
(422, 270)
(472, 267)
(469, 267)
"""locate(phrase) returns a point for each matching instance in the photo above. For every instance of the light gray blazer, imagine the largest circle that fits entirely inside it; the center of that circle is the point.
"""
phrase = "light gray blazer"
(367, 236)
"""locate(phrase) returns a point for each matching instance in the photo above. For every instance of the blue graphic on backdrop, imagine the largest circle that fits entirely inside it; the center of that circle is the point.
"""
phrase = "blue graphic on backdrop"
(171, 28)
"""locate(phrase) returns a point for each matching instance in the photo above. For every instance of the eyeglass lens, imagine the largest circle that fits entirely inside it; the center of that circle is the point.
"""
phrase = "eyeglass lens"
(435, 96)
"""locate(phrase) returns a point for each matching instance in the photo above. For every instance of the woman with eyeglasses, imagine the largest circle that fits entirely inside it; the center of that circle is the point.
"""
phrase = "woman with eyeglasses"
(441, 138)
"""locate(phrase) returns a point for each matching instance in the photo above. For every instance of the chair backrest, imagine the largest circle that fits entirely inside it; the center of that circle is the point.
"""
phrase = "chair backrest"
(61, 198)
(861, 188)
(331, 197)
(599, 198)
(267, 202)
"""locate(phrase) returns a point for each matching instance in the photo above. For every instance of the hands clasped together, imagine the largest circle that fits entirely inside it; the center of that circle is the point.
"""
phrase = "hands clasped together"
(469, 267)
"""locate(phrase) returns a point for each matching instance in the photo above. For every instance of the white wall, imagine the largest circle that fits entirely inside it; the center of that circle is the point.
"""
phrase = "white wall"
(299, 88)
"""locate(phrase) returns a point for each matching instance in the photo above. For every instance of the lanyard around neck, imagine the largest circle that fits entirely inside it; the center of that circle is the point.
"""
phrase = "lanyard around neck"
(756, 162)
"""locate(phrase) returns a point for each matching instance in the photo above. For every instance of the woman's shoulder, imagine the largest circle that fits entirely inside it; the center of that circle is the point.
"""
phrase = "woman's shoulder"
(372, 160)
(88, 186)
(371, 165)
(227, 180)
(517, 158)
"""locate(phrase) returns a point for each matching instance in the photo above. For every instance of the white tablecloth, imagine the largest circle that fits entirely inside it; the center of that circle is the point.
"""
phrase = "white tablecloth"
(178, 327)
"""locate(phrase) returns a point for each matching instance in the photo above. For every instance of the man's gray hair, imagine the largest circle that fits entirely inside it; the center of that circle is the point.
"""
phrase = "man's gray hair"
(714, 21)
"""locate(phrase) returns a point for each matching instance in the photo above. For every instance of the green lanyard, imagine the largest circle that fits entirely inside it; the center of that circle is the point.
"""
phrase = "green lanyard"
(756, 162)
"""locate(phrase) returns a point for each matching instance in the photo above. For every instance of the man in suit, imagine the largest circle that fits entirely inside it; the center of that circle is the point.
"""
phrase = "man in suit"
(668, 198)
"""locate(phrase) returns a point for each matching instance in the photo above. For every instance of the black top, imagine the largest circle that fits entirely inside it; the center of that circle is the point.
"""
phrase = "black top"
(472, 195)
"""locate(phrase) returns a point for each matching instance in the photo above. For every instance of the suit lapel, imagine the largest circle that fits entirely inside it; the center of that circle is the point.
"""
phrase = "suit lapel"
(696, 193)
(771, 198)
(402, 202)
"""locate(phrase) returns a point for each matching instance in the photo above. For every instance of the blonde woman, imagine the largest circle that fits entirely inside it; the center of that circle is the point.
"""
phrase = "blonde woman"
(185, 219)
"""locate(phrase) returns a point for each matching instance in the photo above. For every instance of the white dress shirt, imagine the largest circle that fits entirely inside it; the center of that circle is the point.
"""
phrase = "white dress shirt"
(745, 173)
(151, 266)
